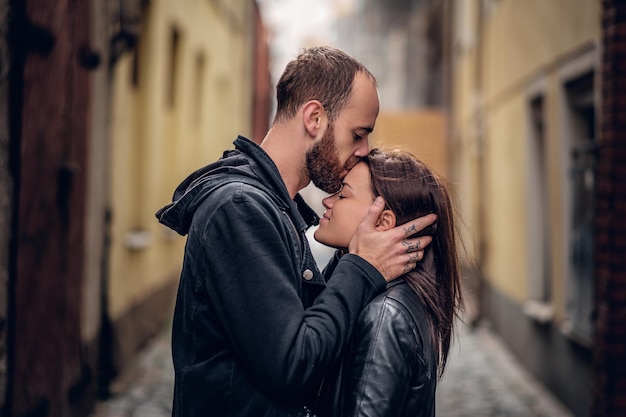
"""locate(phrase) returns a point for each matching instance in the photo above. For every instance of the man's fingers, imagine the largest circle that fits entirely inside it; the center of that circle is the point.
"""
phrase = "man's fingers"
(416, 244)
(377, 207)
(412, 227)
(362, 243)
(416, 256)
(412, 247)
(374, 212)
(393, 252)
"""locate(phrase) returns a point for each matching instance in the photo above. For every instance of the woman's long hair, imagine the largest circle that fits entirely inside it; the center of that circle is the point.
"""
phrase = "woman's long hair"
(411, 189)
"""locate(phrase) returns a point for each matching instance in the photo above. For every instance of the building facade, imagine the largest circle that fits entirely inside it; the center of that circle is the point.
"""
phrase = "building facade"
(107, 106)
(524, 147)
(179, 98)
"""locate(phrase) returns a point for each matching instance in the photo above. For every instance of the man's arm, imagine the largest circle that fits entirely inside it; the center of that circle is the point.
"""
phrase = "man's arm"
(253, 286)
(391, 252)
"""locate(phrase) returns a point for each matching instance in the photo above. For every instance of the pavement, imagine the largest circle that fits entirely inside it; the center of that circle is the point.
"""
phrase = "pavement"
(145, 388)
(482, 379)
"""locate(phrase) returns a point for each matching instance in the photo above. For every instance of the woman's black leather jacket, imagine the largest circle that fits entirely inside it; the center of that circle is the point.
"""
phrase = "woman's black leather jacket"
(390, 366)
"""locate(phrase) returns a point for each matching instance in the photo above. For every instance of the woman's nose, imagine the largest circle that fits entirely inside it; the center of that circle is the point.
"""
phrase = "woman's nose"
(329, 201)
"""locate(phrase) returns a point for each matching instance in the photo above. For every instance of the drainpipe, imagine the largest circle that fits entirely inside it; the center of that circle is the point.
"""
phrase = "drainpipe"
(479, 130)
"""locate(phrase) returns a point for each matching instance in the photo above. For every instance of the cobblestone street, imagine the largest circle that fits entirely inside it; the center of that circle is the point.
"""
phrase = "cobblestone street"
(145, 390)
(482, 380)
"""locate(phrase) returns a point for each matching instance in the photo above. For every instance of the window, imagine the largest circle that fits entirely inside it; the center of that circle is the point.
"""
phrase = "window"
(173, 68)
(465, 20)
(198, 86)
(581, 149)
(538, 305)
(134, 69)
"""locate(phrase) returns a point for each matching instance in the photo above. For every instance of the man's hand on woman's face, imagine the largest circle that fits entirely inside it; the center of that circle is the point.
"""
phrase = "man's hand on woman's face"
(390, 251)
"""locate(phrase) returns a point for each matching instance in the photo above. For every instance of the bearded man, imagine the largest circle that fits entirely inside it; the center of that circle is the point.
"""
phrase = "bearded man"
(255, 325)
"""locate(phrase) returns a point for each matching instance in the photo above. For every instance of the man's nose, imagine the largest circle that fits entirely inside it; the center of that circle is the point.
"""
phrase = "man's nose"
(363, 149)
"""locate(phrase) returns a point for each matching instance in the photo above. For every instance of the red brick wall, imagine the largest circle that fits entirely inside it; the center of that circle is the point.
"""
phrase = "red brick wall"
(609, 360)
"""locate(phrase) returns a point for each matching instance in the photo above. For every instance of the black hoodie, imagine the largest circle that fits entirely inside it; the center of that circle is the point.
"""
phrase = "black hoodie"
(252, 336)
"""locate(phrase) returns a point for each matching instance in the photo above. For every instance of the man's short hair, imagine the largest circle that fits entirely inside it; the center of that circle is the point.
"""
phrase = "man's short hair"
(320, 73)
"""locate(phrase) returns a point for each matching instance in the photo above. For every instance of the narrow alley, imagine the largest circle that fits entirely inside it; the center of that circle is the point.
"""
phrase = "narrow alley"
(482, 380)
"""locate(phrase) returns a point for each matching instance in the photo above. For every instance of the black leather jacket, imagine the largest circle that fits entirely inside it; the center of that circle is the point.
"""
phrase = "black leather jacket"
(250, 335)
(390, 366)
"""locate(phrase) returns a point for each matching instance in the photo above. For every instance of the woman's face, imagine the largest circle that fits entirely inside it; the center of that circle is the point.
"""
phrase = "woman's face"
(346, 209)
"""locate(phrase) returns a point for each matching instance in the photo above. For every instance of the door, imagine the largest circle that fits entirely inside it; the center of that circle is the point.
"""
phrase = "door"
(45, 340)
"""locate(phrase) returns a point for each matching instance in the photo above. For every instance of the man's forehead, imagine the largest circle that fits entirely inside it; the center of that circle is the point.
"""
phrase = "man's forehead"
(362, 108)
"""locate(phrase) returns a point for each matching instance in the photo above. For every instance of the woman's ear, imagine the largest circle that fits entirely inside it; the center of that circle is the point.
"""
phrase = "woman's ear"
(386, 220)
(314, 117)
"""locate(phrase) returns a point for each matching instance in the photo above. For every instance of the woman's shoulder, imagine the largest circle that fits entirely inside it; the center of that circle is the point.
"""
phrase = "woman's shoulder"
(399, 307)
(398, 298)
(399, 294)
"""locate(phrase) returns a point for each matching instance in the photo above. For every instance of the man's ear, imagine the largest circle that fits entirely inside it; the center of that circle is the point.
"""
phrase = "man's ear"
(386, 220)
(314, 118)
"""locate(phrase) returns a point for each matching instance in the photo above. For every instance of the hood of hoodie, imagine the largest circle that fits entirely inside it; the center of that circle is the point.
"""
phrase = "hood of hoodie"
(248, 163)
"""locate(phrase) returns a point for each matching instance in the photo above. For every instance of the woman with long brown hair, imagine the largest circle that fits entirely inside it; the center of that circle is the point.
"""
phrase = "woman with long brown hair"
(400, 345)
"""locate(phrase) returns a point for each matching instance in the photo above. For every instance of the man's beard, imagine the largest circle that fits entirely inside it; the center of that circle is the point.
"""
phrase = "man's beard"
(323, 164)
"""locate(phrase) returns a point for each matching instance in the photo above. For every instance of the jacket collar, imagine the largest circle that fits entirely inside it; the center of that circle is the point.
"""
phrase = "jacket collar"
(267, 171)
(248, 162)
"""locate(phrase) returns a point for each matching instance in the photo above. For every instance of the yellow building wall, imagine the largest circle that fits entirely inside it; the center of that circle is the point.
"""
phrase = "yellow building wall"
(465, 139)
(494, 63)
(526, 38)
(421, 132)
(465, 178)
(505, 225)
(157, 141)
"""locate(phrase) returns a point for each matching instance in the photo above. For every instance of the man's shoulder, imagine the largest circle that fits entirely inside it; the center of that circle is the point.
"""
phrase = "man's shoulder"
(239, 188)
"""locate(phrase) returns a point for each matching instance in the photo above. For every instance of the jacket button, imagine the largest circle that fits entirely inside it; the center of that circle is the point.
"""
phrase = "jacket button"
(307, 275)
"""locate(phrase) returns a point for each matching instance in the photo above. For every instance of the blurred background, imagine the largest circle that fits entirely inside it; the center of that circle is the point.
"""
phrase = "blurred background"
(105, 106)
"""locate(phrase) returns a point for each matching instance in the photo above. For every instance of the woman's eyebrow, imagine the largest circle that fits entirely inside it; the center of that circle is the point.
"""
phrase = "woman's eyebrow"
(345, 184)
